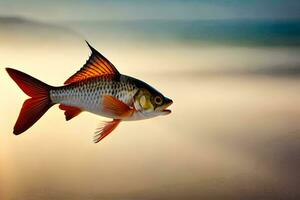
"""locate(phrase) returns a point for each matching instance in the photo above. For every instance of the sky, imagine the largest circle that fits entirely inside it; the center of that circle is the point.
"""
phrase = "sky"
(134, 9)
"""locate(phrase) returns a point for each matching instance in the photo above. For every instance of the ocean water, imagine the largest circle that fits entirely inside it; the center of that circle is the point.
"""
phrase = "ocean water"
(233, 133)
(213, 32)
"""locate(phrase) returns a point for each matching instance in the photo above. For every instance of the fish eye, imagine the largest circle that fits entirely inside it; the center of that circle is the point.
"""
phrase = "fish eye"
(158, 100)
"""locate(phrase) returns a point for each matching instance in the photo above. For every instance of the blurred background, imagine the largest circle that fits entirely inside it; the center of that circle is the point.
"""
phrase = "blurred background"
(231, 67)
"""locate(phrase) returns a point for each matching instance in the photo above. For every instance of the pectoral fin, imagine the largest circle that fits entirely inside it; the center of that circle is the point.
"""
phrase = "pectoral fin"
(105, 129)
(116, 107)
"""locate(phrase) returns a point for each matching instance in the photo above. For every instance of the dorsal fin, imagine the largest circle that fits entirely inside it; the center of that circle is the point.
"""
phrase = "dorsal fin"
(96, 65)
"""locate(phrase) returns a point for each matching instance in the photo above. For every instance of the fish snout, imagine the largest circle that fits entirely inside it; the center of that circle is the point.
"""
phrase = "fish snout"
(167, 103)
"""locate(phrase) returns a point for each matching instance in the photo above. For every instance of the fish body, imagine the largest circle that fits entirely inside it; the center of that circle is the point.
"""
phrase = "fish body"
(88, 95)
(98, 88)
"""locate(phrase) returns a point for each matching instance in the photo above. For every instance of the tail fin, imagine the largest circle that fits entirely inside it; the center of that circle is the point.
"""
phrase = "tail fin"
(36, 106)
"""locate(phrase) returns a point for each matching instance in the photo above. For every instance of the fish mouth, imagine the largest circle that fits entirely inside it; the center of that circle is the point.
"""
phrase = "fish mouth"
(165, 110)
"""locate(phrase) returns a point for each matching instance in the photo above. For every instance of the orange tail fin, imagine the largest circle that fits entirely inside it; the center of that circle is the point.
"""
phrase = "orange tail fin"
(36, 106)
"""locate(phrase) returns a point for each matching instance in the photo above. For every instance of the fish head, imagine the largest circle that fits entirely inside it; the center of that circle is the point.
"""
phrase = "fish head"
(151, 103)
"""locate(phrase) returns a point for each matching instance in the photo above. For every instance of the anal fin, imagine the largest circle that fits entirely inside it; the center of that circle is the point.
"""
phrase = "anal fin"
(105, 129)
(70, 111)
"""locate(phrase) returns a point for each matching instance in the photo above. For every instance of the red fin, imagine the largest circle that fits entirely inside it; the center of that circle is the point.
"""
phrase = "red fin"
(35, 107)
(106, 129)
(116, 107)
(96, 65)
(70, 111)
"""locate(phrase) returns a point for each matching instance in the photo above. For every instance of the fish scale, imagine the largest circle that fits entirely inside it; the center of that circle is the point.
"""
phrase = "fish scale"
(87, 95)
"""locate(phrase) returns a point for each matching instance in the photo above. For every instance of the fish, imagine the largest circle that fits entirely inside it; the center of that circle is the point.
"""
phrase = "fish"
(99, 88)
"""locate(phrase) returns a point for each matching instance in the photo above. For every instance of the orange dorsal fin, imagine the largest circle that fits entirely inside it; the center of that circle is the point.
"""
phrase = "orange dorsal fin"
(70, 111)
(105, 129)
(97, 65)
(116, 107)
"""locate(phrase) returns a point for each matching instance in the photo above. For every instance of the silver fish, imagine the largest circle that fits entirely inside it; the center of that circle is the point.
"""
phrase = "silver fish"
(97, 87)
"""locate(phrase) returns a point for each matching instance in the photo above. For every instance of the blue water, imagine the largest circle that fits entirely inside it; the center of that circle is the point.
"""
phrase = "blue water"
(232, 32)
